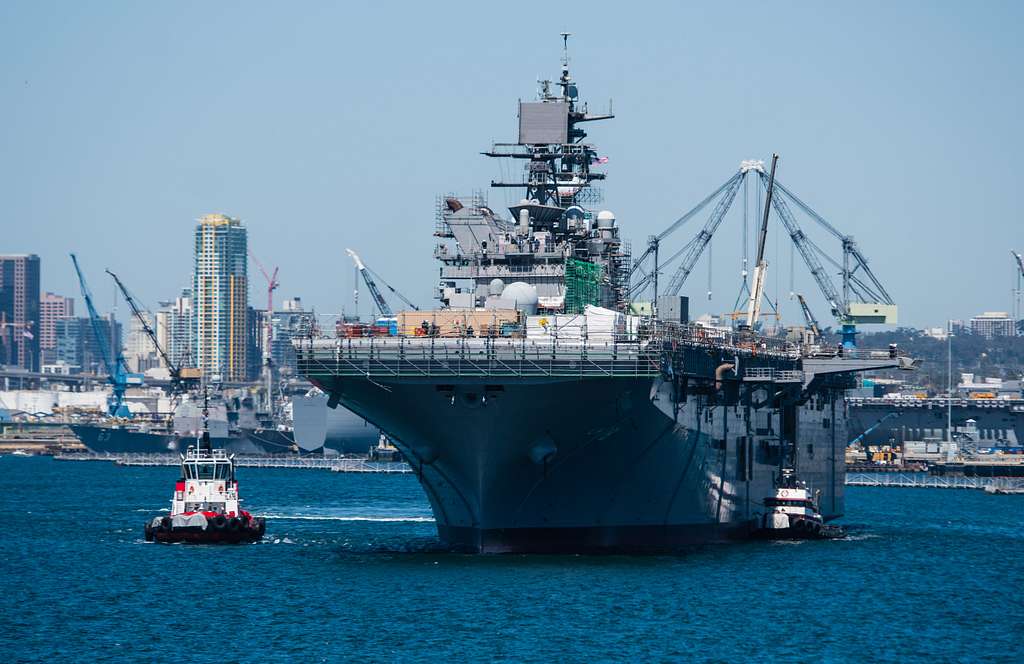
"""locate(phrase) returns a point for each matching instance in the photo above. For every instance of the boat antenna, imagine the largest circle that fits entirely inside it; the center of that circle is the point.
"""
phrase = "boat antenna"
(207, 445)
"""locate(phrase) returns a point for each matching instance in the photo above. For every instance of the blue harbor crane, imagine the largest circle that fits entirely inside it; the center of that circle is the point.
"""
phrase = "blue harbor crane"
(117, 369)
(378, 297)
(887, 416)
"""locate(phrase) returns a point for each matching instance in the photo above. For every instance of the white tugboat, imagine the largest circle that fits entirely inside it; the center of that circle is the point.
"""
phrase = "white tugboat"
(205, 508)
(792, 513)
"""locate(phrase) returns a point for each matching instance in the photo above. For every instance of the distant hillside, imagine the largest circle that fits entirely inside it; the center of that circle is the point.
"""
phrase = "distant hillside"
(1001, 357)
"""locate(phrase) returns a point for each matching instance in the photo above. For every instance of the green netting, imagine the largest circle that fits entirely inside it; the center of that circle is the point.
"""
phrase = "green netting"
(582, 285)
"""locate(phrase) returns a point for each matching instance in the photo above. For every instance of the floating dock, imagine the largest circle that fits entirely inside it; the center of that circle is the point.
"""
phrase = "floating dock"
(338, 465)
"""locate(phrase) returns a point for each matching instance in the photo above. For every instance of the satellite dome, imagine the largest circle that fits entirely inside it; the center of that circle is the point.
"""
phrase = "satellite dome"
(605, 219)
(496, 287)
(523, 295)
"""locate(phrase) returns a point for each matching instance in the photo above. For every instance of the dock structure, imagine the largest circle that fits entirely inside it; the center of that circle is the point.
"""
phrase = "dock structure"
(925, 481)
(337, 465)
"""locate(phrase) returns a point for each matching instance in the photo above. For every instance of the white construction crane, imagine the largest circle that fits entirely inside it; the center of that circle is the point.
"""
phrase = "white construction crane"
(378, 297)
(761, 266)
(1017, 313)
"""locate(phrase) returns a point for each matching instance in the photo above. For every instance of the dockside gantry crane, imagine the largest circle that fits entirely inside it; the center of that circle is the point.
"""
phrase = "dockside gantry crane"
(378, 297)
(181, 379)
(117, 369)
(862, 298)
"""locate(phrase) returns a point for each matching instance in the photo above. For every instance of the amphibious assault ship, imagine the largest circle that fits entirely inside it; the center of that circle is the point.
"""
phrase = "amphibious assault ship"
(570, 424)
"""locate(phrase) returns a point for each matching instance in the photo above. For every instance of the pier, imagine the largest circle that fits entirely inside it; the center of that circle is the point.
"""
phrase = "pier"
(336, 465)
(925, 481)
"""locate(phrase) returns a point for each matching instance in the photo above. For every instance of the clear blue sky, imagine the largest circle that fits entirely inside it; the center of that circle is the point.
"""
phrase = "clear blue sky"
(326, 125)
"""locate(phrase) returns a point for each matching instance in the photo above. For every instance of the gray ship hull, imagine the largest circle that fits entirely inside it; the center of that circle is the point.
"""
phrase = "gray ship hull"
(316, 427)
(997, 422)
(599, 464)
(114, 440)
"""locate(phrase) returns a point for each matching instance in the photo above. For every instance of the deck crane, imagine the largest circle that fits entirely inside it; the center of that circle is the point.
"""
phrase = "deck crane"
(378, 298)
(761, 265)
(179, 383)
(117, 370)
(812, 322)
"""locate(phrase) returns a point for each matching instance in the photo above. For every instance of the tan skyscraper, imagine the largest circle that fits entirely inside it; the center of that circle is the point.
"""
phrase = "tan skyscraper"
(220, 294)
(52, 307)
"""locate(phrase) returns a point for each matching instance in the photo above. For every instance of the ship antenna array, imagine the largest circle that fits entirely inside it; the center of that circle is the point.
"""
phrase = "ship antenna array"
(861, 299)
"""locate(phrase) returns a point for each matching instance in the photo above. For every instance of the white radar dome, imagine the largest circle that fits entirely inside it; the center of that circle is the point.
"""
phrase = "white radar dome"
(605, 219)
(524, 295)
(496, 287)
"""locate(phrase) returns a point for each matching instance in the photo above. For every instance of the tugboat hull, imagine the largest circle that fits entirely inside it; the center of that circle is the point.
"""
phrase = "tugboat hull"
(231, 531)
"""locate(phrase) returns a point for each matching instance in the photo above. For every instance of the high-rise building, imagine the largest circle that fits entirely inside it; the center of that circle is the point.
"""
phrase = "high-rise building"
(139, 350)
(174, 329)
(220, 296)
(19, 311)
(52, 307)
(76, 344)
(288, 324)
(255, 357)
(993, 324)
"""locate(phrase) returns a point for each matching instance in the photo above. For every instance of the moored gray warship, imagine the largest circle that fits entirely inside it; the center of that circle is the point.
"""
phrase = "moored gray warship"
(540, 414)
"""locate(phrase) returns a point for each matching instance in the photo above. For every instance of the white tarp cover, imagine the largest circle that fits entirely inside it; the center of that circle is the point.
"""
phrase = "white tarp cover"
(596, 325)
(189, 521)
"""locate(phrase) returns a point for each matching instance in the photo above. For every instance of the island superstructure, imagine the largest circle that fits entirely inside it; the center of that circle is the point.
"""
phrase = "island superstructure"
(540, 415)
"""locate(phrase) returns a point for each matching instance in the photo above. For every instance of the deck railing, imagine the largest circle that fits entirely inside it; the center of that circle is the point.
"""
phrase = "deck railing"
(643, 351)
(468, 357)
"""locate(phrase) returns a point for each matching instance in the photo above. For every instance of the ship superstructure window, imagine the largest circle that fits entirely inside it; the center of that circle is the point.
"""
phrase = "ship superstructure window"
(207, 471)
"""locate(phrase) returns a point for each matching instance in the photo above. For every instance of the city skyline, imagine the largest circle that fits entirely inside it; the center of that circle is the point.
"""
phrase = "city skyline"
(334, 158)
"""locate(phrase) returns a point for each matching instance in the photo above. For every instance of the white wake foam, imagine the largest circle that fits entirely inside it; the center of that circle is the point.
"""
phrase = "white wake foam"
(382, 519)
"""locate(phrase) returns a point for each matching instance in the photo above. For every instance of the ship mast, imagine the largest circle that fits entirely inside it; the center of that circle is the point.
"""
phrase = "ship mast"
(558, 171)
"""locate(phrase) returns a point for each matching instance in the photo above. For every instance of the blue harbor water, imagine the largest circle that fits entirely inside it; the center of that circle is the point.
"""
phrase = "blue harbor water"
(351, 568)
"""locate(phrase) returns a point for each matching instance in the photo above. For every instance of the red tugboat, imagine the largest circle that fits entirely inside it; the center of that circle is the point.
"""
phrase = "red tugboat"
(205, 507)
